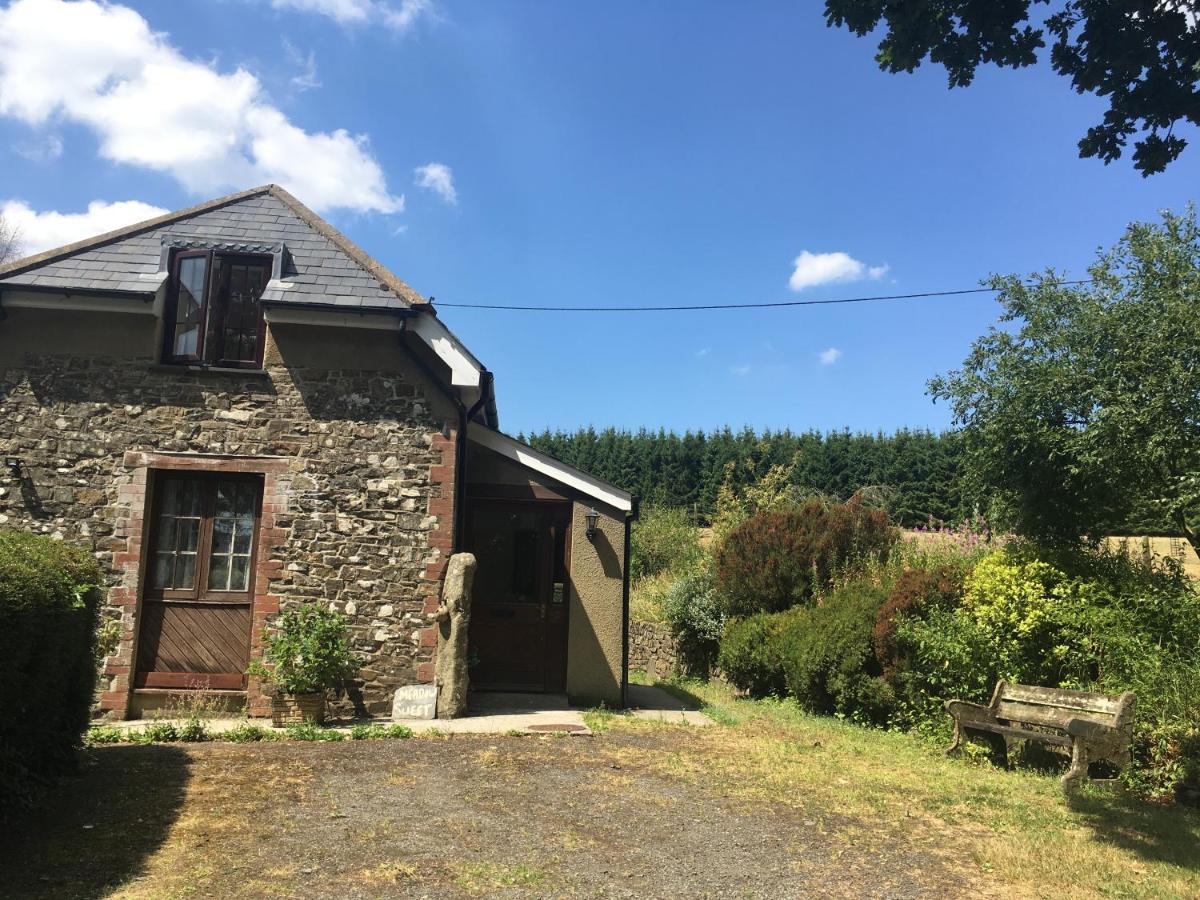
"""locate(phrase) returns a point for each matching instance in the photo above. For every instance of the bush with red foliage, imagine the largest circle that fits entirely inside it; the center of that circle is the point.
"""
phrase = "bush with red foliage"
(779, 559)
(913, 592)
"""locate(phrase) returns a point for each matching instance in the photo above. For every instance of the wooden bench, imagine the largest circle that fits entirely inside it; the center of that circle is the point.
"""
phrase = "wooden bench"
(1091, 726)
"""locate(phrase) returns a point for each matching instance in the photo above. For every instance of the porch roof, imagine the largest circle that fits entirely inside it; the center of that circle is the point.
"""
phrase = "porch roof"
(548, 466)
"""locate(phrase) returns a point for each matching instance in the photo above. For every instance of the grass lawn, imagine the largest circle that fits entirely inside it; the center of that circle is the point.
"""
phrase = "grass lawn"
(1016, 826)
(769, 803)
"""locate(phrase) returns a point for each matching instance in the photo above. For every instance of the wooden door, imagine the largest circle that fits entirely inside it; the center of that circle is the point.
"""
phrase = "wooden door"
(518, 609)
(196, 608)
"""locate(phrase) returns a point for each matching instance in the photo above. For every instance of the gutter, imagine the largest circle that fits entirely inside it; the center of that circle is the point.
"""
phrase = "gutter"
(144, 296)
(400, 312)
(629, 519)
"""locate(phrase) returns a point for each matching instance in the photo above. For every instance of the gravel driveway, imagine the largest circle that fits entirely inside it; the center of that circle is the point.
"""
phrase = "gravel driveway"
(601, 816)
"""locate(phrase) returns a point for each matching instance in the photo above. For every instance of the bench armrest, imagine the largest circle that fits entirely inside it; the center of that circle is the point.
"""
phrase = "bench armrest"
(969, 712)
(1089, 731)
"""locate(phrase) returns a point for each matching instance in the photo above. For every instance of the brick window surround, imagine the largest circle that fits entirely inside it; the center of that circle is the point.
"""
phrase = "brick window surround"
(129, 562)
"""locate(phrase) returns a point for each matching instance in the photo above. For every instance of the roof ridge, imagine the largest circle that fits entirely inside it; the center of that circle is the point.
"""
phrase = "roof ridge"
(367, 263)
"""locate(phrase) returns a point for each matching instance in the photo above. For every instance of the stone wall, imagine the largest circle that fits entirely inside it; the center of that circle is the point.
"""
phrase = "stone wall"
(652, 649)
(359, 457)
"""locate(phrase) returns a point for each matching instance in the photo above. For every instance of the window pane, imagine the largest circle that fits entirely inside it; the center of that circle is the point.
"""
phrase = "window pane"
(189, 498)
(187, 535)
(247, 495)
(185, 571)
(218, 573)
(164, 566)
(245, 529)
(233, 534)
(242, 313)
(189, 305)
(226, 497)
(222, 541)
(166, 533)
(239, 572)
(177, 535)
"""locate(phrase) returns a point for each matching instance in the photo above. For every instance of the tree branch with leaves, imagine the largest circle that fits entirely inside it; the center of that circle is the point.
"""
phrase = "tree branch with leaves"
(1083, 404)
(1142, 55)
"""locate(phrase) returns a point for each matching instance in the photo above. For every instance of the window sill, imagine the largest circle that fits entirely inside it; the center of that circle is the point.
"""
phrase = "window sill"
(208, 370)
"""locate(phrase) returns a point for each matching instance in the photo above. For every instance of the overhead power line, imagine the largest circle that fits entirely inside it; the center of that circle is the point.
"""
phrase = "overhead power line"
(691, 307)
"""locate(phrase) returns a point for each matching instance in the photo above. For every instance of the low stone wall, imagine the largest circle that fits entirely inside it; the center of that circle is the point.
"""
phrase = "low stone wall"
(652, 649)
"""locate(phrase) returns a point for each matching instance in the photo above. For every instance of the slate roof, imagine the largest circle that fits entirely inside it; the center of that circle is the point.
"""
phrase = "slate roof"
(321, 266)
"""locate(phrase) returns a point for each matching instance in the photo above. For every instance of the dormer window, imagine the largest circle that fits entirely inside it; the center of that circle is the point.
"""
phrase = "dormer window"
(214, 316)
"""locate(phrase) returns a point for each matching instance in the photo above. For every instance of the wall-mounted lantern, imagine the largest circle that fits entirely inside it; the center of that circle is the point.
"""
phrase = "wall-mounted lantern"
(13, 464)
(593, 518)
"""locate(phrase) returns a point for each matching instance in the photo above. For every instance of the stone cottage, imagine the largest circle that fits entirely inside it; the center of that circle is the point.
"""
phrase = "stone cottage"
(238, 409)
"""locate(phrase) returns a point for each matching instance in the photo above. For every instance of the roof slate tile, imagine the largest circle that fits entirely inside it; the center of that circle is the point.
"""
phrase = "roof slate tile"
(319, 270)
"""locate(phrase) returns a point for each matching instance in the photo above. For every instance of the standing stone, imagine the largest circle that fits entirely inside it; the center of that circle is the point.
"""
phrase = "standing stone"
(454, 619)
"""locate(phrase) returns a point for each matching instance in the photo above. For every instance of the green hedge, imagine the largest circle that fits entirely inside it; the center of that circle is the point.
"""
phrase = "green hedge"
(821, 655)
(749, 655)
(49, 599)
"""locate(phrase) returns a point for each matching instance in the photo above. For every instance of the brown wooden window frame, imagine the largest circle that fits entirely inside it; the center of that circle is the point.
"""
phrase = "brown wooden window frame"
(199, 592)
(210, 341)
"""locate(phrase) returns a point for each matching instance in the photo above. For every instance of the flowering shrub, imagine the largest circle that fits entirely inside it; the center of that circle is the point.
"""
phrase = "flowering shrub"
(969, 537)
(307, 651)
(778, 559)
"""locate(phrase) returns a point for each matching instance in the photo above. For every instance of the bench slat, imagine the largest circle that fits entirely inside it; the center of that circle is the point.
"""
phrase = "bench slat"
(1047, 715)
(1061, 697)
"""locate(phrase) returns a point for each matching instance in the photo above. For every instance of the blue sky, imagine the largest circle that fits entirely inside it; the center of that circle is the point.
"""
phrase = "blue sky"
(602, 154)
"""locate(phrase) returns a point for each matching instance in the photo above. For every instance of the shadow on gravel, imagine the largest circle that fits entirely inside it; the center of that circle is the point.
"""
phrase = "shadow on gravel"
(94, 830)
(1169, 834)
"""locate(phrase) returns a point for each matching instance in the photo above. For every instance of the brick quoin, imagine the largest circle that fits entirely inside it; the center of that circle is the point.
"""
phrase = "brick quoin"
(442, 496)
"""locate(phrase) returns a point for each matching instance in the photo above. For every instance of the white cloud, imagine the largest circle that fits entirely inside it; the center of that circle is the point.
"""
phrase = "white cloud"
(44, 149)
(439, 179)
(702, 352)
(344, 11)
(830, 356)
(307, 78)
(40, 231)
(100, 65)
(399, 17)
(741, 370)
(407, 14)
(813, 269)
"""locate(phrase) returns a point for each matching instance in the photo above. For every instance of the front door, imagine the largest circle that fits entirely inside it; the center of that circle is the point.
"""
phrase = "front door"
(195, 620)
(518, 634)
